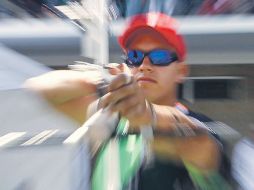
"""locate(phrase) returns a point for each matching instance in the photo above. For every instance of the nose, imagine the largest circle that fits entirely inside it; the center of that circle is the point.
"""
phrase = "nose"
(146, 65)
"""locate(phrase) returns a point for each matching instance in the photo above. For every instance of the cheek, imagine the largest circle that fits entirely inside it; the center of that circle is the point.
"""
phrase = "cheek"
(169, 74)
(165, 84)
(167, 80)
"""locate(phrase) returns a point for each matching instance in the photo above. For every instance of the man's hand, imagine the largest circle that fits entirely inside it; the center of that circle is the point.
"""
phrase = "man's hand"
(124, 96)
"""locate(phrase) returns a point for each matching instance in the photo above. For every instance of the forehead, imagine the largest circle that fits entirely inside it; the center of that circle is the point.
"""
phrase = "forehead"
(147, 40)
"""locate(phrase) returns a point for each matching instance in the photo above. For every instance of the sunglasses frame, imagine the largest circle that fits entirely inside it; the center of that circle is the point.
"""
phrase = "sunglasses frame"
(130, 63)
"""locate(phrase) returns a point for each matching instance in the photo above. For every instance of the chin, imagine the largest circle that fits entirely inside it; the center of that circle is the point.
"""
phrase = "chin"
(147, 86)
(149, 95)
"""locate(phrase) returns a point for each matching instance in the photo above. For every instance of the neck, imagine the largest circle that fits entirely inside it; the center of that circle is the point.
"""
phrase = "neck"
(166, 103)
(167, 100)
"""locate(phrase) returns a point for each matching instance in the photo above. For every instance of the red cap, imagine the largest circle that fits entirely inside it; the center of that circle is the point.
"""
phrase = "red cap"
(161, 23)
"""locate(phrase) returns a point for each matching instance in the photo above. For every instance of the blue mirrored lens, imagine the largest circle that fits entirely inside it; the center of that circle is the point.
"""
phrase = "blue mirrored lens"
(161, 57)
(135, 57)
(157, 57)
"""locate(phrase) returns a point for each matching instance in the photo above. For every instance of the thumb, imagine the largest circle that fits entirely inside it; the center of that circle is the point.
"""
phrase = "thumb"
(114, 68)
(114, 71)
(125, 69)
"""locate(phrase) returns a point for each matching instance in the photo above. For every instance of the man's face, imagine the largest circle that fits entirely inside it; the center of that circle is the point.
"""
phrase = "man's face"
(158, 83)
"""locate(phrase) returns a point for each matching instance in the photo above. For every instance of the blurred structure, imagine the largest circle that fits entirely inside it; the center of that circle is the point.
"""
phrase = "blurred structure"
(212, 7)
(184, 7)
(59, 37)
(37, 144)
(51, 159)
(51, 42)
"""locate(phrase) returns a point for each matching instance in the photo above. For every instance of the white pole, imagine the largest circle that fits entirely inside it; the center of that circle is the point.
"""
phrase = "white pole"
(97, 41)
(103, 33)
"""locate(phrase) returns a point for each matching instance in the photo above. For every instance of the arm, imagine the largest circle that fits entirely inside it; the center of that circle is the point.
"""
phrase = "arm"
(68, 91)
(200, 151)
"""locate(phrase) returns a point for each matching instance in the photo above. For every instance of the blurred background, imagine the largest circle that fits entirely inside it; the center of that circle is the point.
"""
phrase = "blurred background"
(219, 36)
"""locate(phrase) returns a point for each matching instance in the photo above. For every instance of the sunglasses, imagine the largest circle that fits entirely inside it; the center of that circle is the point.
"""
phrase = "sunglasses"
(158, 57)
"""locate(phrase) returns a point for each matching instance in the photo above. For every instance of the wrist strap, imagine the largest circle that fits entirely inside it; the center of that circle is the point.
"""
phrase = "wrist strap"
(101, 88)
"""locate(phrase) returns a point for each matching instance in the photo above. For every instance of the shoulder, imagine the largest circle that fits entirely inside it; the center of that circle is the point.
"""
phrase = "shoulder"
(198, 119)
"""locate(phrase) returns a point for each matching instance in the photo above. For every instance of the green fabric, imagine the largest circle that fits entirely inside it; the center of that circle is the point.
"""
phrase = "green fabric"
(129, 149)
(212, 181)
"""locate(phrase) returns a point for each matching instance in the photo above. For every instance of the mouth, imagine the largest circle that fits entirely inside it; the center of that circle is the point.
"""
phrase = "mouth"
(146, 79)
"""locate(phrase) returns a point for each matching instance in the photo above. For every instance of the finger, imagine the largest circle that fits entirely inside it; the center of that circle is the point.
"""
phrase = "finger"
(113, 68)
(120, 94)
(125, 105)
(104, 101)
(122, 68)
(119, 81)
(114, 71)
(135, 111)
(125, 68)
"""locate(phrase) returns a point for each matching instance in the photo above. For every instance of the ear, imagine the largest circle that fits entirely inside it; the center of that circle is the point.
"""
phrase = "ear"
(182, 71)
